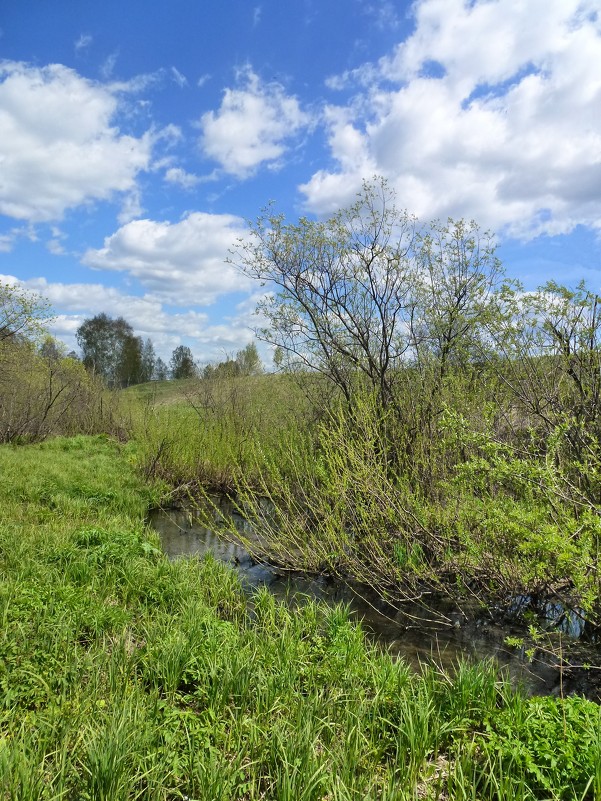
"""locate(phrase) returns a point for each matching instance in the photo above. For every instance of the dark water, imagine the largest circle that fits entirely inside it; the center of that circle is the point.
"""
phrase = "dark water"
(412, 633)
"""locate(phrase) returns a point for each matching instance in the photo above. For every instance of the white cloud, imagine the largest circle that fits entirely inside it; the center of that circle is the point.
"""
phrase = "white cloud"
(8, 240)
(384, 14)
(59, 146)
(178, 77)
(252, 127)
(489, 109)
(328, 191)
(146, 315)
(108, 66)
(181, 263)
(170, 135)
(55, 244)
(78, 301)
(131, 207)
(175, 175)
(136, 84)
(83, 42)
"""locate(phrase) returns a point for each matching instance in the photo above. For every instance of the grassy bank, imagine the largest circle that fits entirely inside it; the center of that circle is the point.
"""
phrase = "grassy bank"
(217, 434)
(125, 676)
(459, 507)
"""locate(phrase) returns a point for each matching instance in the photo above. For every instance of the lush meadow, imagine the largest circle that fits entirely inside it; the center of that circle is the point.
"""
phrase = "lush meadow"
(430, 430)
(128, 676)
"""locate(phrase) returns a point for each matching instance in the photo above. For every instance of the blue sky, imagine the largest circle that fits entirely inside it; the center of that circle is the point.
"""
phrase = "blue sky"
(137, 137)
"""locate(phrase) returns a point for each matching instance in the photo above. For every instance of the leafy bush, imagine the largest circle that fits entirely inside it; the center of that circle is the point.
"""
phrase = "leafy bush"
(554, 744)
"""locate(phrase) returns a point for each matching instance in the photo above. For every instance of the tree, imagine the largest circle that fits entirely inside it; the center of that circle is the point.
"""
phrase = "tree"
(101, 339)
(230, 368)
(182, 363)
(549, 370)
(367, 292)
(278, 357)
(51, 349)
(111, 350)
(161, 371)
(130, 366)
(457, 282)
(342, 298)
(248, 360)
(148, 360)
(22, 314)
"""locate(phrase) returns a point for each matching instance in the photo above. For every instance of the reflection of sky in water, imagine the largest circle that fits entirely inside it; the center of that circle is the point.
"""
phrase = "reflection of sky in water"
(567, 621)
(413, 636)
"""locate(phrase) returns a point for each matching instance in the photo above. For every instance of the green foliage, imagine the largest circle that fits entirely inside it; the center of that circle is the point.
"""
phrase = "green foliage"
(22, 314)
(182, 363)
(206, 432)
(110, 350)
(454, 508)
(246, 363)
(126, 676)
(43, 392)
(463, 442)
(554, 745)
(365, 293)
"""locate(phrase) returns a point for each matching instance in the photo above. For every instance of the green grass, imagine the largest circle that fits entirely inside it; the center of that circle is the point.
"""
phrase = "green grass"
(126, 676)
(450, 509)
(158, 392)
(212, 433)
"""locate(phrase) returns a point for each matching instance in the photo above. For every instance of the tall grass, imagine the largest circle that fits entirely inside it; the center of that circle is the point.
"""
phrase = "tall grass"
(209, 433)
(453, 507)
(126, 676)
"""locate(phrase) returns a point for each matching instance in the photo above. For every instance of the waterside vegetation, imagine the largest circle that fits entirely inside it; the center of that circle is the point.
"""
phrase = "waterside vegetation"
(126, 676)
(430, 429)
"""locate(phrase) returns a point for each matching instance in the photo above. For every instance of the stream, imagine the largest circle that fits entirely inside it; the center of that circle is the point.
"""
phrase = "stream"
(414, 634)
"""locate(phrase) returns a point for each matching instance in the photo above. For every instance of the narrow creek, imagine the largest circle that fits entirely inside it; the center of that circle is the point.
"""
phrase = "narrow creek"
(412, 634)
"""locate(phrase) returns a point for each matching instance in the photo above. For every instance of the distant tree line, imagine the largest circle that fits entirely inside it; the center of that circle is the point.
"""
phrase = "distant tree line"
(246, 362)
(111, 350)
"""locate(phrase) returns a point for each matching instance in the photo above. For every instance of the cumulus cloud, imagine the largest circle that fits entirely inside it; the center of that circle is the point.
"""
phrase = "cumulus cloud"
(253, 126)
(76, 302)
(175, 175)
(328, 191)
(181, 263)
(489, 109)
(79, 301)
(59, 146)
(9, 239)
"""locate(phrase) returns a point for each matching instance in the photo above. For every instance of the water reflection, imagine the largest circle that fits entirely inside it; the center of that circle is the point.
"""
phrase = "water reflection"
(413, 633)
(552, 614)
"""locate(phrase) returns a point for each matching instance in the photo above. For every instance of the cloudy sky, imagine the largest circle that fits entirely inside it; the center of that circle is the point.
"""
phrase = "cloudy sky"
(137, 137)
